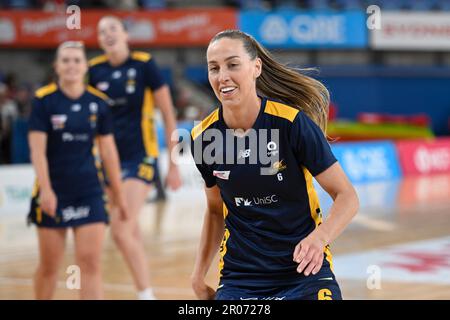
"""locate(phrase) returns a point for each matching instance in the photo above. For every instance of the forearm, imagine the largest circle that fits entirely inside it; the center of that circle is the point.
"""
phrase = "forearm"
(344, 208)
(171, 141)
(165, 104)
(111, 163)
(211, 237)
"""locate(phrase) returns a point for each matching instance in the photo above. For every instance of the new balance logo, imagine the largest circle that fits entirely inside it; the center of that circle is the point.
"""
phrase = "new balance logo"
(244, 153)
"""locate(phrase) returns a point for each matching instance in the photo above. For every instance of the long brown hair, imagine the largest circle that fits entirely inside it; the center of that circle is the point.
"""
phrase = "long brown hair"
(283, 83)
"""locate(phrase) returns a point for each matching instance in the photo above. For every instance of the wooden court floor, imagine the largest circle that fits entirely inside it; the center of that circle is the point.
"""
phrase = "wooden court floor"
(402, 237)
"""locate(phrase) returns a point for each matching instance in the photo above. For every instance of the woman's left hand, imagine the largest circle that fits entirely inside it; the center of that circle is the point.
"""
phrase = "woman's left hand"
(308, 253)
(173, 178)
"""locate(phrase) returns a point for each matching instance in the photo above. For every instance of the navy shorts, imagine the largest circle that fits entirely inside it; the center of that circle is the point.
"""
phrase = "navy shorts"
(145, 170)
(313, 287)
(71, 212)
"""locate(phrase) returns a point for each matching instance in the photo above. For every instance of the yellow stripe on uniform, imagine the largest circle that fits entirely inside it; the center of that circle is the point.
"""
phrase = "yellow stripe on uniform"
(97, 60)
(314, 205)
(329, 256)
(34, 194)
(209, 120)
(147, 126)
(38, 214)
(225, 211)
(35, 191)
(223, 250)
(46, 90)
(97, 93)
(281, 110)
(141, 56)
(97, 161)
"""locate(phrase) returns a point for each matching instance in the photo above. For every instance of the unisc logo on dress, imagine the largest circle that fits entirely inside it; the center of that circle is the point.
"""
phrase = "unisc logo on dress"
(266, 200)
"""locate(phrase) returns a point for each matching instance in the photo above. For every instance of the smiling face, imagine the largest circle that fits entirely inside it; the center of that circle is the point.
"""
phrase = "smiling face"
(112, 35)
(71, 65)
(231, 72)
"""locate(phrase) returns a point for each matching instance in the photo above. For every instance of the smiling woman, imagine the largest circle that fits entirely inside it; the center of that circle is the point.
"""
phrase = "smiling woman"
(135, 86)
(66, 118)
(267, 223)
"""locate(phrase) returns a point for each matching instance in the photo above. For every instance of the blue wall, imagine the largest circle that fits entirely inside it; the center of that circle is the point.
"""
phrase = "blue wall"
(391, 90)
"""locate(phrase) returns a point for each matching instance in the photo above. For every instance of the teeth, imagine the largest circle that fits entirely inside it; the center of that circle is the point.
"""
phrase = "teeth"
(227, 89)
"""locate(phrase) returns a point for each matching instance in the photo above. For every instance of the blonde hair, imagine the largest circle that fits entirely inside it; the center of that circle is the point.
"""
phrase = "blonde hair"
(70, 44)
(283, 83)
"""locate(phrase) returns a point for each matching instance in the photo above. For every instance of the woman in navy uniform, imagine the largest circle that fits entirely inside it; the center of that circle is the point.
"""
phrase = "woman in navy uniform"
(67, 117)
(132, 80)
(265, 215)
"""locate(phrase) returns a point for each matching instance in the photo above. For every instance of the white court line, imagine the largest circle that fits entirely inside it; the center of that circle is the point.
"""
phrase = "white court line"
(107, 286)
(374, 224)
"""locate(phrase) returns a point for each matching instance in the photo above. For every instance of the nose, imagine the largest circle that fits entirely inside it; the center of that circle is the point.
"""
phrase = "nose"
(223, 75)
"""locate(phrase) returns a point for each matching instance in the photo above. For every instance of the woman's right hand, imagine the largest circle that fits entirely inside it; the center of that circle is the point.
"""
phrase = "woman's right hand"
(48, 202)
(202, 290)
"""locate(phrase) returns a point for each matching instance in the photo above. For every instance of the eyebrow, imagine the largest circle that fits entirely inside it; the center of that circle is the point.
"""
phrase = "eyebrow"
(226, 59)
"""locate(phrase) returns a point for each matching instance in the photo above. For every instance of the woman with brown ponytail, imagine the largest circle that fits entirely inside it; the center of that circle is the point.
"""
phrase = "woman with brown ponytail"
(262, 210)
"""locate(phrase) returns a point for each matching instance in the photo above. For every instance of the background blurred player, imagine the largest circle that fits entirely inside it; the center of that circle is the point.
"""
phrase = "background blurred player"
(275, 245)
(66, 118)
(133, 81)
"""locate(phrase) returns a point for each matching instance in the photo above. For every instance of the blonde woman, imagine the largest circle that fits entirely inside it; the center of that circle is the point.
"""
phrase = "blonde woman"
(66, 118)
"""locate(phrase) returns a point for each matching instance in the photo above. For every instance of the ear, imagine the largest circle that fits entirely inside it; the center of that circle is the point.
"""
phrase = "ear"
(258, 67)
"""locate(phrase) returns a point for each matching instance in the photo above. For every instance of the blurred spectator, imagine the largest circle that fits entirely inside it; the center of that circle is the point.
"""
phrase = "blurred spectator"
(23, 98)
(122, 4)
(153, 4)
(8, 114)
(11, 83)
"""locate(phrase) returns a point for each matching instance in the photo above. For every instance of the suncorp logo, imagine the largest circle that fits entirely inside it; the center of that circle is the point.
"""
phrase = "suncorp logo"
(245, 202)
(432, 160)
(71, 213)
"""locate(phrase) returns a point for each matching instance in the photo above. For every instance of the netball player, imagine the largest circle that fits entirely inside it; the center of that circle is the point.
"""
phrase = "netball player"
(134, 83)
(66, 118)
(267, 220)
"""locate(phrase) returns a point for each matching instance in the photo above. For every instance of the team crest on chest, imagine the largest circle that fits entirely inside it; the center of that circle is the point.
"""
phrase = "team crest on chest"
(58, 121)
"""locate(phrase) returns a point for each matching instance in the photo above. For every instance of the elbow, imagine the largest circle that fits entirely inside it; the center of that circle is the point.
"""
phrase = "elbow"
(215, 213)
(36, 153)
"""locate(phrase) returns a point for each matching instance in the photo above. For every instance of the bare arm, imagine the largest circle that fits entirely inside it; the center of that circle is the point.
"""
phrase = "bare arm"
(164, 102)
(345, 205)
(37, 141)
(211, 237)
(309, 252)
(110, 158)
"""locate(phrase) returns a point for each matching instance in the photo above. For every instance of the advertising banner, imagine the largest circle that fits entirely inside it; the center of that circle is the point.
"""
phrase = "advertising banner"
(306, 29)
(368, 161)
(424, 157)
(163, 28)
(412, 31)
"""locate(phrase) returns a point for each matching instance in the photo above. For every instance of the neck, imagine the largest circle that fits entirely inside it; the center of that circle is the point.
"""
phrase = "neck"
(118, 57)
(242, 116)
(73, 90)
